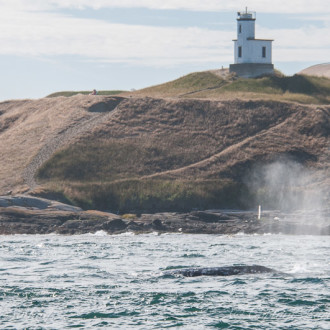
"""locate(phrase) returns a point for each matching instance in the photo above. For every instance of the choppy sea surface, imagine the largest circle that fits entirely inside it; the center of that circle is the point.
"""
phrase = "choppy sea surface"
(116, 282)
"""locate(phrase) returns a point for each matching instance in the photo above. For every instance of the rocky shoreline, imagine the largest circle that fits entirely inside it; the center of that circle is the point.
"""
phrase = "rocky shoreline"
(31, 215)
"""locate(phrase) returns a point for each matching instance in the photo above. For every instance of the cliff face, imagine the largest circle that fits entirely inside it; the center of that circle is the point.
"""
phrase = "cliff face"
(103, 146)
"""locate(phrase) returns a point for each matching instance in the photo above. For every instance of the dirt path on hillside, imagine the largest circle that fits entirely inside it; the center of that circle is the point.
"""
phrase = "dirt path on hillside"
(216, 157)
(59, 141)
(204, 89)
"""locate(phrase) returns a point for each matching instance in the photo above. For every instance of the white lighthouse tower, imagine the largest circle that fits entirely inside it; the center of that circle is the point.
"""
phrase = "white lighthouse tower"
(253, 57)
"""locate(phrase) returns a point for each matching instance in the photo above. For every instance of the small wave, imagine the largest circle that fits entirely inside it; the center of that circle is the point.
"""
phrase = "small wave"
(97, 233)
(239, 282)
(175, 267)
(101, 233)
(220, 325)
(100, 315)
(193, 255)
(304, 269)
(298, 302)
(128, 233)
(308, 280)
(215, 293)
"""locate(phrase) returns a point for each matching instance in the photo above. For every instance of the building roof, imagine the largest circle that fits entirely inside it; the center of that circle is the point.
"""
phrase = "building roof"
(246, 15)
(246, 19)
(257, 39)
(260, 39)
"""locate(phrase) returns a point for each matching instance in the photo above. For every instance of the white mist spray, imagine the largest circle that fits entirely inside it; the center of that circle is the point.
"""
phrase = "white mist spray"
(288, 187)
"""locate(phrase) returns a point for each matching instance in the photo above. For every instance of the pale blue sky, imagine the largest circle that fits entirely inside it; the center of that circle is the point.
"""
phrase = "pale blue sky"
(53, 45)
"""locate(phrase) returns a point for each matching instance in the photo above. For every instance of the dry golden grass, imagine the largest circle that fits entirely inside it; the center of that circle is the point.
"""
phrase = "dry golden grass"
(135, 155)
(28, 125)
(169, 153)
(219, 84)
(168, 135)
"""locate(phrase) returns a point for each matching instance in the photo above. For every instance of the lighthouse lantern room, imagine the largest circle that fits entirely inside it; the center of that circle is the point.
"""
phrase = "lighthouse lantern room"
(253, 57)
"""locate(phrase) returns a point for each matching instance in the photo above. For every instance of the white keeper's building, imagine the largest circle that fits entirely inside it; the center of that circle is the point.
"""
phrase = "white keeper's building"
(253, 57)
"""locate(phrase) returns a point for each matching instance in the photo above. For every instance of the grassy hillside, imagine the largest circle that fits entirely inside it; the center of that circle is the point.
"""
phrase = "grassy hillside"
(157, 154)
(72, 93)
(190, 83)
(219, 84)
(191, 143)
(214, 84)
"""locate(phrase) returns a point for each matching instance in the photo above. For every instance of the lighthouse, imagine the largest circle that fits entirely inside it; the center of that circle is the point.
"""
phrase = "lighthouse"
(253, 57)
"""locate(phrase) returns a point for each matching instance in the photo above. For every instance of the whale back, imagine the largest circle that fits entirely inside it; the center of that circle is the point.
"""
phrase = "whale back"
(221, 271)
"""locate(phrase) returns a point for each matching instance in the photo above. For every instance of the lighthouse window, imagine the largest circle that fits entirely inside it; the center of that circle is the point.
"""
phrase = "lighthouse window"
(240, 28)
(263, 51)
(239, 51)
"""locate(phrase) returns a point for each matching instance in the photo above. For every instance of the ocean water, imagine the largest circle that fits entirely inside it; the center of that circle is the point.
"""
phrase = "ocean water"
(116, 282)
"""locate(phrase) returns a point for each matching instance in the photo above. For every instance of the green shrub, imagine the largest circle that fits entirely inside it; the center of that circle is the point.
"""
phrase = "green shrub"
(135, 196)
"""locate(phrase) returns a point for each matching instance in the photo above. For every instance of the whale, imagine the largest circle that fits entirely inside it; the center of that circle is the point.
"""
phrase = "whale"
(221, 271)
